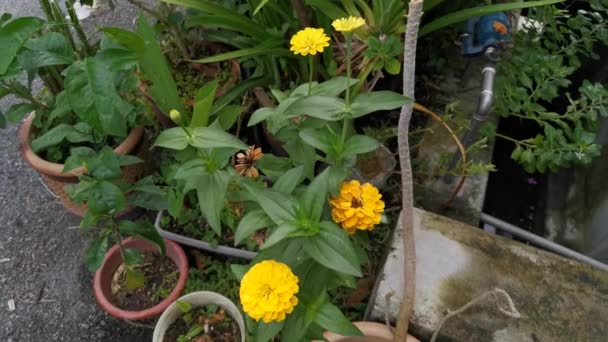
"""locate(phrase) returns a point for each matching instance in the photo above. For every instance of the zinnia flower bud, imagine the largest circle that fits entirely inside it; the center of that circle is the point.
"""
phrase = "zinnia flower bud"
(175, 116)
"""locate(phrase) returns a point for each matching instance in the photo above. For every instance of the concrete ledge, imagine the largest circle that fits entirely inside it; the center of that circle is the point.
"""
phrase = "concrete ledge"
(559, 299)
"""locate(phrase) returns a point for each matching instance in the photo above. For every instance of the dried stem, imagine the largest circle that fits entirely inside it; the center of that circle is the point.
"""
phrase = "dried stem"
(508, 309)
(407, 216)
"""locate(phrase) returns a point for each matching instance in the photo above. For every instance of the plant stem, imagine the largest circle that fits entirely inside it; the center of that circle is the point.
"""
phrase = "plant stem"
(310, 73)
(63, 25)
(515, 141)
(349, 42)
(407, 195)
(118, 239)
(88, 50)
(56, 76)
(24, 95)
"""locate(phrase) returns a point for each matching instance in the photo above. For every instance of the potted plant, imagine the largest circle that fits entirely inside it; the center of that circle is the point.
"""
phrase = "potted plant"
(88, 97)
(202, 315)
(201, 194)
(315, 222)
(139, 276)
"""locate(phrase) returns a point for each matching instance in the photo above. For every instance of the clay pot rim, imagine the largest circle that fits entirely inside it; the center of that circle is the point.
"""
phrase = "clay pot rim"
(179, 259)
(54, 169)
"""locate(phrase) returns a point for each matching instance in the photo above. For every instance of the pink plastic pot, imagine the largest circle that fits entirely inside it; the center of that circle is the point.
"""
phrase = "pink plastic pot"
(103, 279)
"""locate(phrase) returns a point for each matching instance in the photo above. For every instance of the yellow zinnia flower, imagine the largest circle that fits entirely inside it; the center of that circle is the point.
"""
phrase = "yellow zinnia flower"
(348, 24)
(357, 207)
(309, 41)
(268, 291)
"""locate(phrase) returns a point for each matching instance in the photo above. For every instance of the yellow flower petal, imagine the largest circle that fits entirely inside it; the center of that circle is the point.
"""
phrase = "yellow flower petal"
(268, 291)
(348, 24)
(357, 207)
(309, 41)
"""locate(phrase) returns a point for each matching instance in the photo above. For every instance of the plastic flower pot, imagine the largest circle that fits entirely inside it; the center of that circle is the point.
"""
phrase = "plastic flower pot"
(372, 332)
(383, 163)
(57, 180)
(197, 300)
(200, 244)
(102, 281)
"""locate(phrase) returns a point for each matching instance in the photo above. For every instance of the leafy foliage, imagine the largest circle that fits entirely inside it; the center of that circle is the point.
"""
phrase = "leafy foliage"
(537, 72)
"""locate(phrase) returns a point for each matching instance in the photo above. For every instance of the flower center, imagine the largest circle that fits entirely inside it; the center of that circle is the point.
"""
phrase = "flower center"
(356, 202)
(266, 291)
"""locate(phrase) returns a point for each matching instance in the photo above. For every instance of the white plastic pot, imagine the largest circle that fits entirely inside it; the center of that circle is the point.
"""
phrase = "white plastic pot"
(197, 300)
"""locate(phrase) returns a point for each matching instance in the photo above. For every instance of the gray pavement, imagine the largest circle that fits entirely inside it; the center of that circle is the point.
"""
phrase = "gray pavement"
(41, 247)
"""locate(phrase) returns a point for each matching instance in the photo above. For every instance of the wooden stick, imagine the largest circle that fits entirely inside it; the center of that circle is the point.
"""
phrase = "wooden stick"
(407, 215)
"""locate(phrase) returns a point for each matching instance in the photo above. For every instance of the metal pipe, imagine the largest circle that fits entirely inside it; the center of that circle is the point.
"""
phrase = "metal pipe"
(484, 105)
(540, 241)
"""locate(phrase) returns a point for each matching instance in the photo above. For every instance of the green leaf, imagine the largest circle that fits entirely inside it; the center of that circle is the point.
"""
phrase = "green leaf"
(211, 137)
(332, 319)
(239, 270)
(126, 38)
(93, 256)
(144, 230)
(321, 139)
(333, 249)
(274, 204)
(80, 132)
(296, 324)
(260, 115)
(132, 257)
(281, 232)
(366, 103)
(12, 37)
(459, 16)
(359, 144)
(289, 180)
(107, 165)
(302, 154)
(314, 198)
(79, 157)
(18, 111)
(259, 6)
(319, 106)
(265, 331)
(105, 198)
(332, 87)
(183, 306)
(202, 106)
(252, 221)
(211, 192)
(268, 47)
(229, 115)
(156, 69)
(92, 95)
(134, 279)
(52, 48)
(330, 9)
(335, 178)
(118, 59)
(392, 66)
(174, 138)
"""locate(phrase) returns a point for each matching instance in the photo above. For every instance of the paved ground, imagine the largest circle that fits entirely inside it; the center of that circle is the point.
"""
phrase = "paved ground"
(40, 246)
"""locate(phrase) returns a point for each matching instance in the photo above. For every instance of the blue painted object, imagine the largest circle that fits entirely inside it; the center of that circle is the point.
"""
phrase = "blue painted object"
(484, 32)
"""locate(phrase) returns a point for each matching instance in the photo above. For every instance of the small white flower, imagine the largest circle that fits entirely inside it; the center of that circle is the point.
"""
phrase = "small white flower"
(579, 155)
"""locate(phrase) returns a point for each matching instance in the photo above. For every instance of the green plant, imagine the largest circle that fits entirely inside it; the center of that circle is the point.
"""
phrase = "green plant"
(88, 98)
(537, 70)
(315, 121)
(107, 197)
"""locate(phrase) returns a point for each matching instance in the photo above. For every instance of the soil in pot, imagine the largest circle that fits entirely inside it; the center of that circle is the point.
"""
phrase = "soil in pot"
(160, 278)
(208, 324)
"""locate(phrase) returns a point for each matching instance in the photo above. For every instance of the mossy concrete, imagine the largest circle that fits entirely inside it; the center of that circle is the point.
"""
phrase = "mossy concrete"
(559, 299)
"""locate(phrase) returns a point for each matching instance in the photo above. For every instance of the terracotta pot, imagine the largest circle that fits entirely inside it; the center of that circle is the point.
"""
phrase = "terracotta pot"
(197, 300)
(372, 331)
(103, 279)
(52, 172)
